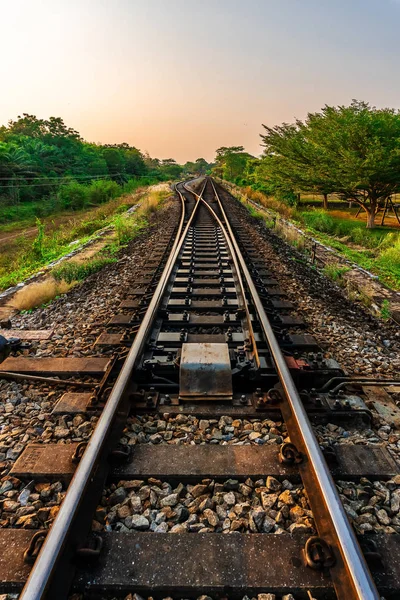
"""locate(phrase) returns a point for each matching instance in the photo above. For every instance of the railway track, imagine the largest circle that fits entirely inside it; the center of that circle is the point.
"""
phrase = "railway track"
(206, 337)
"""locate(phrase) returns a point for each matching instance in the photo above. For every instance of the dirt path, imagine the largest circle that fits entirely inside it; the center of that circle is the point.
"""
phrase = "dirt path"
(12, 234)
(51, 224)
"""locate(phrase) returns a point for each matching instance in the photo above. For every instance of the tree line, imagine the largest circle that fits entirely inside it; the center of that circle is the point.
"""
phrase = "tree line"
(350, 151)
(44, 158)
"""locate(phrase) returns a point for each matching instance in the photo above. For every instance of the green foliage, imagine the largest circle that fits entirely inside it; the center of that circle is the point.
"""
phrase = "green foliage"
(389, 257)
(197, 168)
(231, 163)
(73, 196)
(127, 227)
(99, 192)
(335, 271)
(257, 214)
(77, 271)
(353, 151)
(319, 220)
(28, 211)
(385, 310)
(286, 196)
(38, 242)
(43, 162)
(350, 230)
(376, 250)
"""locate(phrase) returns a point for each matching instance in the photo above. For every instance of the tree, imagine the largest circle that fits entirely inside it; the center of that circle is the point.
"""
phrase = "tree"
(231, 162)
(360, 152)
(201, 166)
(134, 162)
(293, 161)
(40, 156)
(169, 169)
(31, 126)
(116, 163)
(353, 151)
(197, 168)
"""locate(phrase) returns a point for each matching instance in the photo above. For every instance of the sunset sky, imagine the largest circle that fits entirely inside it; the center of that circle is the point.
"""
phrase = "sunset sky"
(179, 78)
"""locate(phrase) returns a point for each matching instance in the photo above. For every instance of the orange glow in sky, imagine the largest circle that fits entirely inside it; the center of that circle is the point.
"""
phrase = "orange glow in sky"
(179, 78)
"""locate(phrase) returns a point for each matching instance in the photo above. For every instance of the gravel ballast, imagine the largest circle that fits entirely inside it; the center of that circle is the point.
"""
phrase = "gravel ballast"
(188, 429)
(262, 506)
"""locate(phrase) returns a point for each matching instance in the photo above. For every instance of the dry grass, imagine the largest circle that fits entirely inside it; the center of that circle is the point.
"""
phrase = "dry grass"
(269, 202)
(36, 294)
(151, 201)
(291, 235)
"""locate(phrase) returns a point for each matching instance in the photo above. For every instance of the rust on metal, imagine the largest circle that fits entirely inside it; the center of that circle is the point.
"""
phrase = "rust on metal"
(27, 334)
(44, 462)
(392, 389)
(72, 403)
(383, 404)
(55, 366)
(109, 339)
(121, 319)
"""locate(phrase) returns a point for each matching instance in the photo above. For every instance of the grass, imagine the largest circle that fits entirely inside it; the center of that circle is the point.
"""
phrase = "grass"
(25, 213)
(257, 214)
(23, 256)
(126, 226)
(68, 198)
(385, 310)
(379, 256)
(78, 271)
(38, 293)
(376, 250)
(323, 222)
(335, 272)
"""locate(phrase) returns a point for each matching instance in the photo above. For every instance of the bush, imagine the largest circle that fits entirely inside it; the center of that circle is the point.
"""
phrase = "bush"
(122, 208)
(101, 191)
(287, 196)
(73, 195)
(38, 243)
(74, 271)
(335, 271)
(390, 258)
(319, 220)
(127, 227)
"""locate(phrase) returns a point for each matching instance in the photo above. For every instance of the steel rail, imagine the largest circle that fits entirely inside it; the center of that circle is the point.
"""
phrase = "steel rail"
(45, 565)
(238, 274)
(350, 575)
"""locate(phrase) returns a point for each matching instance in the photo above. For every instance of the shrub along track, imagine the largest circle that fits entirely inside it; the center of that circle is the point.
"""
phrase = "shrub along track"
(200, 452)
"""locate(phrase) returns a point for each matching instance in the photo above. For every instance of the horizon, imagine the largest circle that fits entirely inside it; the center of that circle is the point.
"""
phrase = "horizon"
(178, 80)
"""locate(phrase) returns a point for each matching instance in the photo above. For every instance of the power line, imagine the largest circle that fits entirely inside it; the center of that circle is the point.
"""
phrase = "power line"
(61, 182)
(60, 177)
